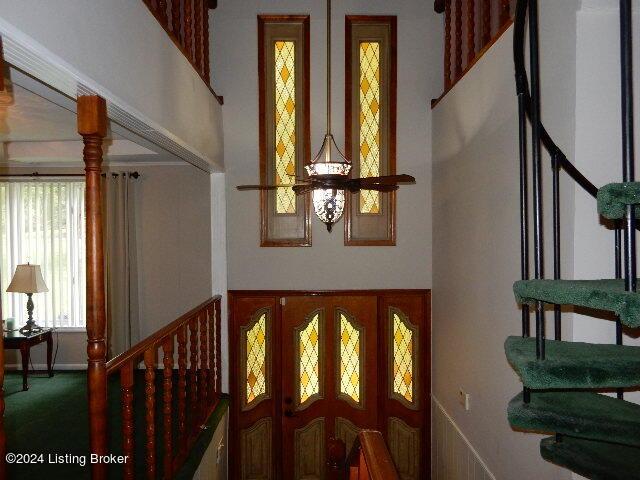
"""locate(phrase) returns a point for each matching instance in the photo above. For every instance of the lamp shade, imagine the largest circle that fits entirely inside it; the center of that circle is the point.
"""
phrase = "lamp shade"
(27, 279)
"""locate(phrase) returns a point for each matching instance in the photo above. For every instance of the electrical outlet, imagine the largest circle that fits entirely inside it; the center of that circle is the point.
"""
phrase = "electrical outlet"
(465, 399)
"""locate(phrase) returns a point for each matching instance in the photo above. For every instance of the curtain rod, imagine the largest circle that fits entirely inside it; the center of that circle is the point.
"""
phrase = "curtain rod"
(60, 175)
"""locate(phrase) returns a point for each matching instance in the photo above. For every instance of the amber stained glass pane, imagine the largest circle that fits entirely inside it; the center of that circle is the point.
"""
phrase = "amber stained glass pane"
(257, 359)
(369, 122)
(349, 359)
(310, 359)
(285, 126)
(402, 359)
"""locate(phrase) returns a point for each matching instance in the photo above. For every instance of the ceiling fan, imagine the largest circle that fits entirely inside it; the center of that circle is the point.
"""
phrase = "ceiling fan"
(328, 174)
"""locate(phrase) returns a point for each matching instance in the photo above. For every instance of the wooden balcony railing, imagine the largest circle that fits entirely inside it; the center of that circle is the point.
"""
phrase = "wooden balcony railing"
(470, 28)
(194, 339)
(187, 24)
(370, 458)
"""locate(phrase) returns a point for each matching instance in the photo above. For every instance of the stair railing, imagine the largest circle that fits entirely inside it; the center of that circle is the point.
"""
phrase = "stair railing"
(529, 108)
(194, 340)
(370, 458)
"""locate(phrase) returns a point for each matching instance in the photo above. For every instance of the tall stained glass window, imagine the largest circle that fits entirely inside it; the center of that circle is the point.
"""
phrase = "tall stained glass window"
(285, 125)
(403, 355)
(309, 361)
(370, 129)
(369, 122)
(256, 351)
(284, 72)
(350, 356)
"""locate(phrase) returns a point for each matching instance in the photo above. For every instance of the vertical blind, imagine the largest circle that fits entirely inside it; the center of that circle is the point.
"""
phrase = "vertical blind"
(44, 223)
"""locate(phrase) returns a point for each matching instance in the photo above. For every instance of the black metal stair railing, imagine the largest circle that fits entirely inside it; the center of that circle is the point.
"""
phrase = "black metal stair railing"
(529, 108)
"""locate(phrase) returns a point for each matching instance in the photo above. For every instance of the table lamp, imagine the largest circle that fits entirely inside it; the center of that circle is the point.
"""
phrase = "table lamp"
(28, 279)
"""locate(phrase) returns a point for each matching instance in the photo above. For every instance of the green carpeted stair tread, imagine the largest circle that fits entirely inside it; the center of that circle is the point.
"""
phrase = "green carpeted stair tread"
(614, 197)
(572, 365)
(579, 414)
(598, 294)
(592, 459)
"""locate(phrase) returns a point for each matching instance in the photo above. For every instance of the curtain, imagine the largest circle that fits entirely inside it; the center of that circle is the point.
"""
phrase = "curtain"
(119, 193)
(44, 223)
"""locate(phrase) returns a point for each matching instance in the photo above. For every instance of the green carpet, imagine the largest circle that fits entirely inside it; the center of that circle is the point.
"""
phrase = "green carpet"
(51, 418)
(579, 414)
(571, 365)
(594, 460)
(613, 199)
(597, 294)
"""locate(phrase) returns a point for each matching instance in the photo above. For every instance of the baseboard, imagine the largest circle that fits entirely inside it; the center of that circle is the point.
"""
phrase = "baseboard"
(43, 366)
(452, 455)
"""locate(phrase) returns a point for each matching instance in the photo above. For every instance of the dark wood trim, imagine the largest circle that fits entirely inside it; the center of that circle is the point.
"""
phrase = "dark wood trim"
(265, 241)
(480, 54)
(392, 21)
(378, 461)
(326, 293)
(92, 126)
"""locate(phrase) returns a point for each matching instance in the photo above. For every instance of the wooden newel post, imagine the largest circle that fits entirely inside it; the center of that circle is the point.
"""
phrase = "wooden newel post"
(92, 125)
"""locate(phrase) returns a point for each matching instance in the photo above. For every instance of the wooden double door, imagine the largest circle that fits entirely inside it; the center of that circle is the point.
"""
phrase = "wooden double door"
(310, 368)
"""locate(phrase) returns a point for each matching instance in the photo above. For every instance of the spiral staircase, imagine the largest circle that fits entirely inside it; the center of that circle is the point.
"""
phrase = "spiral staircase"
(569, 386)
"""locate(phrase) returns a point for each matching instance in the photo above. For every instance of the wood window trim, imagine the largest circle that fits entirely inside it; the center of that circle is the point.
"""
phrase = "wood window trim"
(263, 20)
(392, 22)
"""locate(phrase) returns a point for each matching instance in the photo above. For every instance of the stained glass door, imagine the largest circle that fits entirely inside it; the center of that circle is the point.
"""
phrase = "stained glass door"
(329, 378)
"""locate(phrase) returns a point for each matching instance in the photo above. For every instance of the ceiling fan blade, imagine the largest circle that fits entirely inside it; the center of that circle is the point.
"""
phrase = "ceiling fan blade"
(387, 180)
(300, 189)
(269, 187)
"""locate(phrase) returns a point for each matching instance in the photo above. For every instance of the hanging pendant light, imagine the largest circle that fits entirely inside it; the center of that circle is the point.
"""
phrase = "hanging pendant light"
(328, 203)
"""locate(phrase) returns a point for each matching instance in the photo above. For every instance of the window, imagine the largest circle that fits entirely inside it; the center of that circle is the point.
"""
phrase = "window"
(283, 63)
(370, 125)
(44, 223)
(403, 359)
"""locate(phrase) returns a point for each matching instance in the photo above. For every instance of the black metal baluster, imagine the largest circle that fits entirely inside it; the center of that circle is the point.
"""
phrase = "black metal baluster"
(536, 154)
(557, 314)
(628, 154)
(618, 270)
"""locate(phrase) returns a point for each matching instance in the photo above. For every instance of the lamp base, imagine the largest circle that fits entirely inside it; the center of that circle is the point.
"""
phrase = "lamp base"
(30, 327)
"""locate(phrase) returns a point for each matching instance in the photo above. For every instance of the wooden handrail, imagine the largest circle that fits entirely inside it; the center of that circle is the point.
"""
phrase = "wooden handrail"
(138, 349)
(370, 458)
(494, 18)
(187, 25)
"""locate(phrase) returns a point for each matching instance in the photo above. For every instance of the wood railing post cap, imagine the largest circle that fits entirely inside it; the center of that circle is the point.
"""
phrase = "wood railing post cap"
(92, 115)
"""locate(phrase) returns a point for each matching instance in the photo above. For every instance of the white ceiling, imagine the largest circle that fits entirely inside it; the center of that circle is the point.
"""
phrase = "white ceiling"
(35, 130)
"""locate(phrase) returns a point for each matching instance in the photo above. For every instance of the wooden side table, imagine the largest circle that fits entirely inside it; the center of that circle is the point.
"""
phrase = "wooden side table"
(23, 342)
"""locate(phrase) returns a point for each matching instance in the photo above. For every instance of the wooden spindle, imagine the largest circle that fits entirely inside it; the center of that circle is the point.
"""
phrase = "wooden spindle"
(471, 31)
(92, 126)
(205, 46)
(162, 13)
(203, 378)
(211, 325)
(182, 389)
(458, 39)
(150, 357)
(447, 44)
(193, 374)
(486, 22)
(167, 387)
(505, 12)
(188, 30)
(199, 34)
(218, 318)
(128, 445)
(175, 20)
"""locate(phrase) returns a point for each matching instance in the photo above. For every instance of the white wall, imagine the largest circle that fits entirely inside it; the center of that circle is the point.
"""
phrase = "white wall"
(124, 53)
(328, 264)
(174, 251)
(476, 246)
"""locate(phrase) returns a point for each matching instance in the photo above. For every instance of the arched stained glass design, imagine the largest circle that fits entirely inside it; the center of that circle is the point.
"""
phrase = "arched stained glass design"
(285, 125)
(257, 359)
(369, 122)
(309, 358)
(350, 341)
(403, 358)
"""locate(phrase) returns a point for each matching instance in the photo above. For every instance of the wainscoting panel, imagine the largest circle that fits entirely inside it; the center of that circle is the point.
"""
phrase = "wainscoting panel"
(452, 456)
